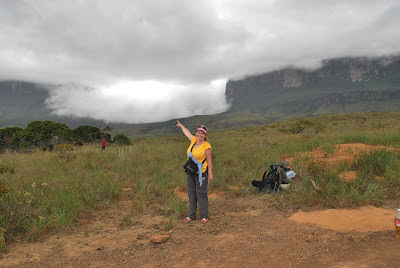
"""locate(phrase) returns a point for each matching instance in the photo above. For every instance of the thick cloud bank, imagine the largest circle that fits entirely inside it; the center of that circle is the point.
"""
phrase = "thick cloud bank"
(138, 102)
(108, 57)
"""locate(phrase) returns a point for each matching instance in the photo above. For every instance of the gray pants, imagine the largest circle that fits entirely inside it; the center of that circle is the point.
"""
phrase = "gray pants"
(197, 194)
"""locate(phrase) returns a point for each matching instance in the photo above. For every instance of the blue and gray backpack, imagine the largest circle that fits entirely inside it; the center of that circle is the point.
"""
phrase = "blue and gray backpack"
(273, 177)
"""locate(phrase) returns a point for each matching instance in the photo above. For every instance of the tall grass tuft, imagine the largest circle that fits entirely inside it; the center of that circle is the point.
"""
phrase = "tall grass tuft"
(376, 163)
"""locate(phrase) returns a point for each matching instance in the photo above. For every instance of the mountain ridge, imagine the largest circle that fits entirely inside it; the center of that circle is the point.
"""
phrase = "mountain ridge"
(340, 85)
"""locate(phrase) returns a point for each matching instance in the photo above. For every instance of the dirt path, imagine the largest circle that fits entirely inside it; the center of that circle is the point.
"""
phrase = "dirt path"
(242, 232)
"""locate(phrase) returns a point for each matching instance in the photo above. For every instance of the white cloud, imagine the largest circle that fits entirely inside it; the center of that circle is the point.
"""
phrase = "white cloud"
(178, 47)
(138, 102)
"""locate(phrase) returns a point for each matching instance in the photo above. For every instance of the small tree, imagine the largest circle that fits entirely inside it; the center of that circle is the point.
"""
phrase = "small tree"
(121, 139)
(88, 134)
(21, 139)
(6, 134)
(305, 126)
(46, 132)
(37, 133)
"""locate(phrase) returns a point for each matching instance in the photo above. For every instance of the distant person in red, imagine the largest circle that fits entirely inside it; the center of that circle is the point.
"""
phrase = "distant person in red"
(103, 143)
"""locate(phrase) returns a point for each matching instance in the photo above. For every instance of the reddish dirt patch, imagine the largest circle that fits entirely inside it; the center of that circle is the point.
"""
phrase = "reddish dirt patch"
(182, 193)
(348, 176)
(216, 195)
(340, 153)
(126, 189)
(364, 219)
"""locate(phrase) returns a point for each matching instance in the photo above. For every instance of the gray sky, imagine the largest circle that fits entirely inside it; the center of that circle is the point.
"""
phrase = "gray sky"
(146, 61)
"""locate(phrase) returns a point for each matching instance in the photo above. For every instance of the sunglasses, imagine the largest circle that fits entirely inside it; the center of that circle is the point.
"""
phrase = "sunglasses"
(203, 126)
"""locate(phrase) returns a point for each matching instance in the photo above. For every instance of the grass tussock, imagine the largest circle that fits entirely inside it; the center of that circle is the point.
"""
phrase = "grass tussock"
(43, 191)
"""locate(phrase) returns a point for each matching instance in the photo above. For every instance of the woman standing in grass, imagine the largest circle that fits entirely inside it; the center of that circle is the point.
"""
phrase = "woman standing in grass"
(197, 184)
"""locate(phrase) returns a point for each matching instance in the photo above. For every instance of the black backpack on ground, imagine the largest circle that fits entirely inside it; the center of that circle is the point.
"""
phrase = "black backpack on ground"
(272, 178)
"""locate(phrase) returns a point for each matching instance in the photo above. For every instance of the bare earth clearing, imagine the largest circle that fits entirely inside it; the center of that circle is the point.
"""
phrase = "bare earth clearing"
(243, 231)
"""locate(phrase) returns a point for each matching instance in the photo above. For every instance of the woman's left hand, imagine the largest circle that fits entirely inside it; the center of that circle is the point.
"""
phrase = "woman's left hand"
(210, 177)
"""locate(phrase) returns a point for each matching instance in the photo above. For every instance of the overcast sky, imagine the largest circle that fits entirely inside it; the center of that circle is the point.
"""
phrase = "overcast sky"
(147, 61)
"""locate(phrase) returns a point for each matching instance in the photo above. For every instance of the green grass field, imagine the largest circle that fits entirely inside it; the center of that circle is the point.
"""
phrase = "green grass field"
(42, 192)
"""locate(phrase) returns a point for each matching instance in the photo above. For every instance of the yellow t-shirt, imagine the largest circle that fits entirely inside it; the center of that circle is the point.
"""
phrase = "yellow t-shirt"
(199, 153)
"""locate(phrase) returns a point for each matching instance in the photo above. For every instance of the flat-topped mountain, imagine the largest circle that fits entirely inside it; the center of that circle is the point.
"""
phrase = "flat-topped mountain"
(339, 86)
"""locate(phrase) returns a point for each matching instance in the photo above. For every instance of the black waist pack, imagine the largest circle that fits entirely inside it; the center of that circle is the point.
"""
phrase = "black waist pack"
(190, 166)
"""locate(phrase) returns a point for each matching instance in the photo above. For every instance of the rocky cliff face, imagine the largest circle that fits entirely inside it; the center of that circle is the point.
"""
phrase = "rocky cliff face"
(21, 103)
(12, 88)
(344, 81)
